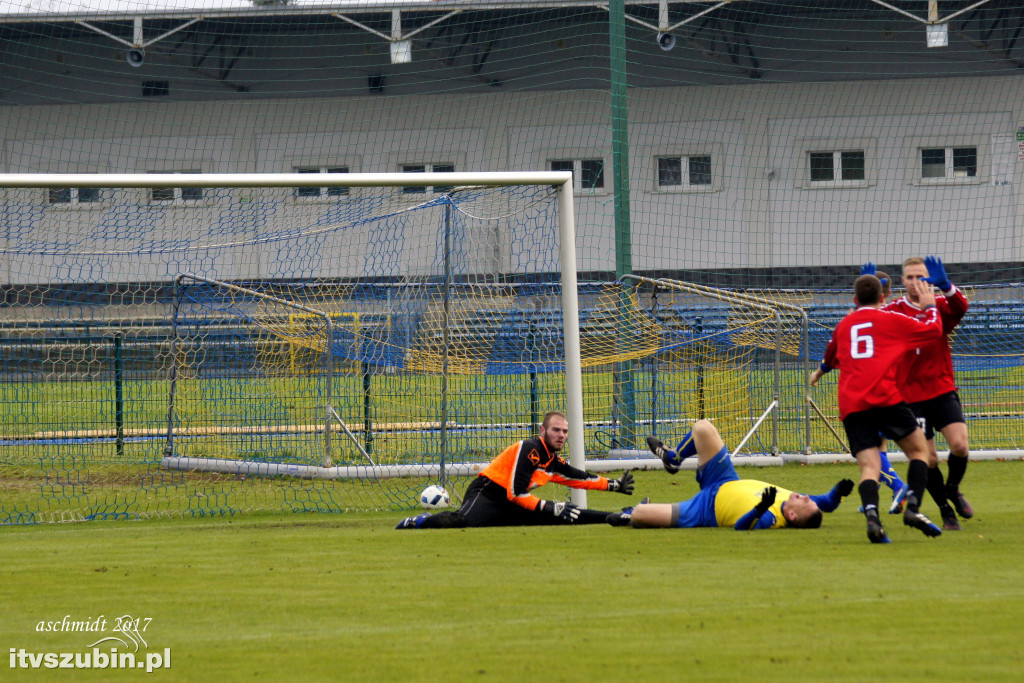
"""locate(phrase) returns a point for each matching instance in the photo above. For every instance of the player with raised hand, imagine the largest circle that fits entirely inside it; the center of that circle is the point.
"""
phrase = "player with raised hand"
(927, 383)
(867, 347)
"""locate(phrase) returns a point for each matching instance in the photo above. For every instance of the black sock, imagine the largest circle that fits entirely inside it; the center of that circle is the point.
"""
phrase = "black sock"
(592, 517)
(937, 487)
(869, 495)
(957, 467)
(918, 476)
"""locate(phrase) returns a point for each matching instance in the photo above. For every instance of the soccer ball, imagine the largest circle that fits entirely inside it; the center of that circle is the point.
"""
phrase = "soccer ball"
(434, 497)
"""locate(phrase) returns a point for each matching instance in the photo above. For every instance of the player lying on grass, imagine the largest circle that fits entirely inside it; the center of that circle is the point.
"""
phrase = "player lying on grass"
(725, 500)
(866, 347)
(500, 494)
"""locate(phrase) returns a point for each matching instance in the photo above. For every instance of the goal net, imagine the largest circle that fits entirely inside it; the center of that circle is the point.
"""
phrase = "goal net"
(318, 348)
(738, 358)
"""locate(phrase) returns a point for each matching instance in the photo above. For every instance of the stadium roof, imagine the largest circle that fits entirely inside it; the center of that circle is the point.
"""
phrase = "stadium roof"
(721, 39)
(52, 11)
(656, 16)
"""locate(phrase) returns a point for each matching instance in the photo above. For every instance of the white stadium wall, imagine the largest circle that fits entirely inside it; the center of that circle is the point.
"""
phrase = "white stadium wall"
(762, 186)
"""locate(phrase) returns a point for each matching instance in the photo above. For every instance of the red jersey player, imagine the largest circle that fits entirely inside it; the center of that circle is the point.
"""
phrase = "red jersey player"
(887, 474)
(866, 347)
(926, 381)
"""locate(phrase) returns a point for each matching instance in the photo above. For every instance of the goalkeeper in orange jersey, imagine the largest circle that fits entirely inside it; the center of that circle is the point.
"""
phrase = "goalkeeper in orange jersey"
(500, 494)
(725, 500)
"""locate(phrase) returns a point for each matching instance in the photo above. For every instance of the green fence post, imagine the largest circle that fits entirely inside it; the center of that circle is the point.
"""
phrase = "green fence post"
(624, 400)
(119, 394)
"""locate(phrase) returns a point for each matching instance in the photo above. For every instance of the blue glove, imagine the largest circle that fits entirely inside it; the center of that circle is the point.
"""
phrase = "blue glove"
(868, 268)
(937, 273)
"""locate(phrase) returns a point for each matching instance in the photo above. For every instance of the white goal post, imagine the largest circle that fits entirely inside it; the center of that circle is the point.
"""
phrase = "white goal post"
(560, 180)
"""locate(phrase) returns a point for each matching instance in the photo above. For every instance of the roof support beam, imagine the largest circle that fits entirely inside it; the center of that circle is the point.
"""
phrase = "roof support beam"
(933, 11)
(663, 18)
(401, 42)
(138, 35)
(396, 25)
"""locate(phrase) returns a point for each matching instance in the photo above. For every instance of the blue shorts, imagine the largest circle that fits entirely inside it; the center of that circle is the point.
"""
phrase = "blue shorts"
(700, 510)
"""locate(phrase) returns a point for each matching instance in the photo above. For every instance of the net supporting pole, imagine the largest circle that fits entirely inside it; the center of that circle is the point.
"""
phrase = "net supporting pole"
(173, 372)
(743, 442)
(654, 368)
(446, 338)
(625, 392)
(328, 365)
(806, 341)
(776, 380)
(119, 394)
(571, 330)
(531, 341)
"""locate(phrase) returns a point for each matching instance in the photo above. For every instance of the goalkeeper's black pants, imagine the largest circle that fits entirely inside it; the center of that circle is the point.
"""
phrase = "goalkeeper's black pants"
(486, 504)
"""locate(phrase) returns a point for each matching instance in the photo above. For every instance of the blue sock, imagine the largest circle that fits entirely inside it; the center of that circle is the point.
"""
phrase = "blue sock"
(686, 447)
(889, 476)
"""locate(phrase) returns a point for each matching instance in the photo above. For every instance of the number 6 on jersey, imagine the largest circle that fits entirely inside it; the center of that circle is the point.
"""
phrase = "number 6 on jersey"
(861, 345)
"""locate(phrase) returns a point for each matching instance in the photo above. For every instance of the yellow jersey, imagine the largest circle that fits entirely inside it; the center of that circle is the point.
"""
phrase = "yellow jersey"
(737, 498)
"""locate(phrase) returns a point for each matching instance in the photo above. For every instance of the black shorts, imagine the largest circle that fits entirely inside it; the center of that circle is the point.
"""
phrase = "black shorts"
(937, 413)
(487, 504)
(865, 428)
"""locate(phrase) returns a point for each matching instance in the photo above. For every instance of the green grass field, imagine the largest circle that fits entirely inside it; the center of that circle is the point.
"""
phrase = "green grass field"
(346, 597)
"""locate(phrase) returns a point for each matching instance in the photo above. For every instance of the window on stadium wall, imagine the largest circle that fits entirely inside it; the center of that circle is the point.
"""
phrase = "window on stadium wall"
(841, 165)
(588, 174)
(75, 195)
(684, 172)
(949, 162)
(318, 192)
(176, 195)
(435, 167)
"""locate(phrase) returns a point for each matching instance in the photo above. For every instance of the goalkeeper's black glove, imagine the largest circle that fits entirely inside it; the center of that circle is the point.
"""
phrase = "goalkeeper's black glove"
(844, 487)
(567, 512)
(767, 500)
(623, 484)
